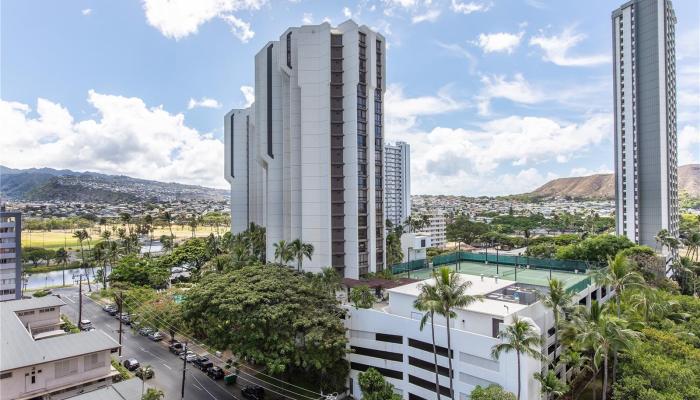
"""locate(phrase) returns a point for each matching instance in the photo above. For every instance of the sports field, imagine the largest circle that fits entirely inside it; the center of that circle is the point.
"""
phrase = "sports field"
(530, 276)
(56, 239)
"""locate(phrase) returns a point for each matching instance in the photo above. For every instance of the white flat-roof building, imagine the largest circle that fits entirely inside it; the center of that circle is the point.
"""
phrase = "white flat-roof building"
(388, 337)
(39, 360)
(436, 229)
(306, 160)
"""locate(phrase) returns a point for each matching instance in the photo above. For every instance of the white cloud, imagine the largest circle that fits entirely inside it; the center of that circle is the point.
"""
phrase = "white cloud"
(177, 19)
(583, 171)
(459, 51)
(347, 13)
(239, 28)
(402, 112)
(204, 102)
(86, 11)
(470, 7)
(498, 86)
(429, 16)
(307, 19)
(499, 42)
(249, 94)
(328, 19)
(127, 137)
(471, 161)
(556, 49)
(689, 145)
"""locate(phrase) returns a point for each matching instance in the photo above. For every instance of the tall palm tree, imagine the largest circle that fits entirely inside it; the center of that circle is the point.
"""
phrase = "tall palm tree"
(429, 301)
(519, 336)
(300, 250)
(99, 255)
(168, 218)
(61, 257)
(692, 243)
(649, 304)
(452, 293)
(81, 235)
(550, 385)
(661, 237)
(557, 299)
(618, 275)
(125, 218)
(608, 334)
(283, 252)
(330, 280)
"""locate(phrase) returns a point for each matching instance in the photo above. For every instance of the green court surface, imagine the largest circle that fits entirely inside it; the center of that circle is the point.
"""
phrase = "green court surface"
(540, 277)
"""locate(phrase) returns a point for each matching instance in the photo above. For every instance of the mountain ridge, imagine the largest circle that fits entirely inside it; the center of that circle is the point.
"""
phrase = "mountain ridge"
(49, 184)
(602, 186)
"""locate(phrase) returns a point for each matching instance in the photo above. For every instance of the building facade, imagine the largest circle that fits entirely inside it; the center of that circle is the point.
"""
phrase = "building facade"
(306, 161)
(388, 337)
(10, 255)
(39, 360)
(436, 229)
(397, 182)
(646, 166)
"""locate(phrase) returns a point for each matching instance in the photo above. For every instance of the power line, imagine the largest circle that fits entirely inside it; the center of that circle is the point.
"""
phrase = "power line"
(153, 318)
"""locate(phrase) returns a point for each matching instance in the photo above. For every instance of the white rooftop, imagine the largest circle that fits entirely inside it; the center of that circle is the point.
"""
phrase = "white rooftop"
(478, 286)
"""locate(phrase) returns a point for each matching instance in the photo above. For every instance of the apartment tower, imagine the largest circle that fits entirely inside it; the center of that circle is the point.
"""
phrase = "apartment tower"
(646, 166)
(306, 159)
(10, 255)
(397, 185)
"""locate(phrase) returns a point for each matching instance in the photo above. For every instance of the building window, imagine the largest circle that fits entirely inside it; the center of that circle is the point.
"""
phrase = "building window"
(383, 337)
(414, 380)
(418, 344)
(384, 355)
(428, 366)
(6, 375)
(66, 367)
(93, 361)
(388, 373)
(289, 50)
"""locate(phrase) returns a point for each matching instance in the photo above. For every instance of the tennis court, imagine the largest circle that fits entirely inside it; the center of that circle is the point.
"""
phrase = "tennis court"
(573, 281)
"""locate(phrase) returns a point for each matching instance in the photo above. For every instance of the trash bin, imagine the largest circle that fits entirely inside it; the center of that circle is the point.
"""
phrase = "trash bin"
(230, 379)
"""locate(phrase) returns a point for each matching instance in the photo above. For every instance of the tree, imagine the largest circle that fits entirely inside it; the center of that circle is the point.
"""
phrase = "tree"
(274, 317)
(465, 231)
(519, 336)
(618, 275)
(167, 243)
(661, 238)
(300, 250)
(362, 297)
(492, 392)
(374, 387)
(550, 385)
(557, 299)
(451, 293)
(163, 312)
(33, 255)
(595, 249)
(283, 252)
(153, 394)
(330, 280)
(62, 257)
(692, 243)
(429, 301)
(394, 254)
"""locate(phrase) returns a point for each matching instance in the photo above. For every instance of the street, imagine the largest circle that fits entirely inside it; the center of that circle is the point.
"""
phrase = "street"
(167, 366)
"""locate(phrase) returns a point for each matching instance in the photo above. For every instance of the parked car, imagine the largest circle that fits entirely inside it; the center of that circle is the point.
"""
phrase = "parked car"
(145, 373)
(215, 373)
(205, 366)
(188, 356)
(200, 360)
(85, 325)
(176, 347)
(126, 318)
(253, 392)
(131, 364)
(109, 307)
(156, 336)
(113, 312)
(145, 331)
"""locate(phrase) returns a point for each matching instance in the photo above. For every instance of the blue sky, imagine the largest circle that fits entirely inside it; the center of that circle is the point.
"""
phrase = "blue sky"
(495, 97)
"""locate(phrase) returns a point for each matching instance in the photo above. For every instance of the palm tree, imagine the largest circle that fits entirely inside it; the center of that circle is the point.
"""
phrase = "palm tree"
(558, 299)
(692, 243)
(648, 303)
(618, 275)
(81, 235)
(283, 252)
(166, 243)
(125, 218)
(330, 280)
(168, 218)
(519, 336)
(661, 237)
(300, 250)
(551, 386)
(61, 257)
(608, 334)
(452, 293)
(429, 301)
(100, 256)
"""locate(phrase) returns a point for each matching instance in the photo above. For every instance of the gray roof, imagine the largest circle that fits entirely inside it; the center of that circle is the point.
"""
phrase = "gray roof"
(18, 348)
(129, 389)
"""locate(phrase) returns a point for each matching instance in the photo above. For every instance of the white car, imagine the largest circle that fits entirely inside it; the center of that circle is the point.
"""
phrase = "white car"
(189, 356)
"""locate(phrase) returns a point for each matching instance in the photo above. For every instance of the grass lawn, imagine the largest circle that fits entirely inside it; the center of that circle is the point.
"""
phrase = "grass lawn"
(55, 239)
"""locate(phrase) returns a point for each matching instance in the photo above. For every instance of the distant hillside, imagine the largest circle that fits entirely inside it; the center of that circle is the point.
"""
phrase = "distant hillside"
(602, 186)
(46, 184)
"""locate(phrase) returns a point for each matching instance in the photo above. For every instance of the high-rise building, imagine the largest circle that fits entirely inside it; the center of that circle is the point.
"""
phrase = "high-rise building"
(306, 160)
(10, 255)
(646, 166)
(397, 182)
(436, 228)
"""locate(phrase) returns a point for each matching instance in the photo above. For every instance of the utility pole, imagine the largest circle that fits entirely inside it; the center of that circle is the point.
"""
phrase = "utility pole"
(80, 300)
(119, 304)
(184, 369)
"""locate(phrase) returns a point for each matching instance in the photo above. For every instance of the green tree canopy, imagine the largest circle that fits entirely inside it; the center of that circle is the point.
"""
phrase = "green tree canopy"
(273, 317)
(374, 387)
(492, 392)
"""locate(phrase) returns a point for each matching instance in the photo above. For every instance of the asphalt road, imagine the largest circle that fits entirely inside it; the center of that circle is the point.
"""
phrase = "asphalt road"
(167, 366)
